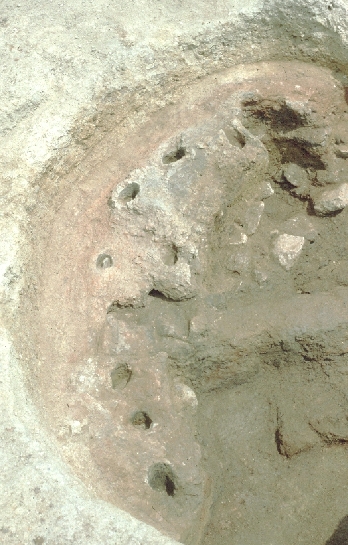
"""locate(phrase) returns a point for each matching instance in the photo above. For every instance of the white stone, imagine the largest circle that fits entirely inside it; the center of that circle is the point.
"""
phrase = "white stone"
(253, 217)
(300, 226)
(186, 394)
(332, 200)
(287, 249)
(75, 427)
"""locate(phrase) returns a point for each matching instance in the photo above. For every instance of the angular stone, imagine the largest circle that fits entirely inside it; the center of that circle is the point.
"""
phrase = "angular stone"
(287, 249)
(253, 217)
(176, 282)
(342, 152)
(186, 394)
(260, 276)
(331, 201)
(295, 175)
(300, 226)
(313, 137)
(325, 177)
(300, 109)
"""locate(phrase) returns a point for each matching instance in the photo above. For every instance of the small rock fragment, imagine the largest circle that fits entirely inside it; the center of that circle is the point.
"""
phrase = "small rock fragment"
(287, 249)
(176, 282)
(342, 152)
(265, 191)
(300, 226)
(331, 201)
(260, 276)
(325, 177)
(76, 427)
(120, 376)
(253, 217)
(300, 109)
(186, 394)
(339, 139)
(311, 136)
(238, 236)
(297, 177)
(239, 261)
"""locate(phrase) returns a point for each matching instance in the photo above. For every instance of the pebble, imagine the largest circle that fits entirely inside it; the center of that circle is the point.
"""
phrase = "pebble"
(313, 137)
(325, 177)
(260, 276)
(342, 152)
(300, 226)
(287, 249)
(253, 217)
(331, 201)
(186, 394)
(295, 175)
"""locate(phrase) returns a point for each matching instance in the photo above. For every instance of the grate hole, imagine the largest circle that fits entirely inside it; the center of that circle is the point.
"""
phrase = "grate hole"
(104, 261)
(174, 156)
(120, 376)
(170, 254)
(142, 420)
(129, 192)
(163, 479)
(158, 295)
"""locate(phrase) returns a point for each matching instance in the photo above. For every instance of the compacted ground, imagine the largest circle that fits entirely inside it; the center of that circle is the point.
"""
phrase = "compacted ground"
(190, 322)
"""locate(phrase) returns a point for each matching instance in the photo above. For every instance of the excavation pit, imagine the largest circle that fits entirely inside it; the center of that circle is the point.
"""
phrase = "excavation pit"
(208, 282)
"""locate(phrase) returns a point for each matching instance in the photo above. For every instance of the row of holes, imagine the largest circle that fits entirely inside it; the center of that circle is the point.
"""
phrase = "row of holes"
(120, 376)
(105, 261)
(160, 476)
(132, 190)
